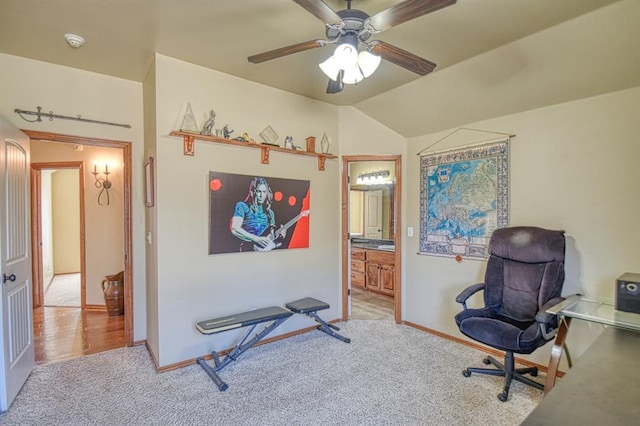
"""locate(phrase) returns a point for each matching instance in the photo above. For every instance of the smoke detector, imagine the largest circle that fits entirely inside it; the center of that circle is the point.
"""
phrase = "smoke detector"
(74, 40)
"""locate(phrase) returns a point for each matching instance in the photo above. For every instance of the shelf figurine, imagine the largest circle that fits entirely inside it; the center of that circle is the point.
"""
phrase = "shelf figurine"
(208, 126)
(226, 132)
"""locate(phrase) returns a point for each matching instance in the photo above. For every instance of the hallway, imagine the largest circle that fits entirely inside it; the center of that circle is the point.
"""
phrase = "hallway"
(63, 290)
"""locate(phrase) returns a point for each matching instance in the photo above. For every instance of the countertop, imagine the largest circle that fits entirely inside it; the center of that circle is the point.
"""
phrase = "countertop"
(382, 245)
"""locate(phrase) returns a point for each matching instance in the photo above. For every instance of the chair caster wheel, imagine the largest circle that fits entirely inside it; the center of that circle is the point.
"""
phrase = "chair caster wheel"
(486, 361)
(466, 373)
(503, 396)
(534, 373)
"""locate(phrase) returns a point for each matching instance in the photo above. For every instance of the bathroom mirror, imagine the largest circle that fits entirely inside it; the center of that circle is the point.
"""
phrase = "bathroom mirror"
(371, 194)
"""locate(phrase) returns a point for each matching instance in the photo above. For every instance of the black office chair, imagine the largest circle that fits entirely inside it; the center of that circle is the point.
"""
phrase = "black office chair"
(524, 277)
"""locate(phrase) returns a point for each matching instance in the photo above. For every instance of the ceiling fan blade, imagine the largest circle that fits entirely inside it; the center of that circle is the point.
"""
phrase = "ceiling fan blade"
(336, 86)
(287, 50)
(320, 10)
(405, 11)
(401, 57)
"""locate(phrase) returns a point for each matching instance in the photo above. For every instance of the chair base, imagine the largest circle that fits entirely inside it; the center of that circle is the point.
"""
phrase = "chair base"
(508, 371)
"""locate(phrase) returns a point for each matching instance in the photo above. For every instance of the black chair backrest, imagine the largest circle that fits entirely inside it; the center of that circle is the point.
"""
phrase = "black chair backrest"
(525, 270)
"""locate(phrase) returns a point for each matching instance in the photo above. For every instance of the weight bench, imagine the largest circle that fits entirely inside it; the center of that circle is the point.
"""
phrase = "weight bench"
(274, 314)
(309, 307)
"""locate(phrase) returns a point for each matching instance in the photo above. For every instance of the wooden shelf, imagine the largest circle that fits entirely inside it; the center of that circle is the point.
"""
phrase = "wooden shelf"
(190, 138)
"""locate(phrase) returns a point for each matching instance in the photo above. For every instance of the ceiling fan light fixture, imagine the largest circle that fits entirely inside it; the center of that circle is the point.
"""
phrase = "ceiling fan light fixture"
(346, 55)
(352, 75)
(368, 63)
(330, 68)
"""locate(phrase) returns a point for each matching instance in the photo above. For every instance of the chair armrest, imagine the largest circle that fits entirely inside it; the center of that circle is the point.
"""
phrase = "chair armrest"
(554, 306)
(468, 292)
(545, 317)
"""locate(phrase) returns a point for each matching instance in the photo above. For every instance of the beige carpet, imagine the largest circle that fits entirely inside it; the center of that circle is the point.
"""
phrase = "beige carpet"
(388, 375)
(64, 290)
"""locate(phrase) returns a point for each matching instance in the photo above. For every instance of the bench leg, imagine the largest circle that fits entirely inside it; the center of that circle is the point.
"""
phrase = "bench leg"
(238, 350)
(222, 386)
(327, 328)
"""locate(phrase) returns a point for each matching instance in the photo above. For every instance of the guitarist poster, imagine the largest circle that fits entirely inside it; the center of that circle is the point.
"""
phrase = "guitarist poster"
(257, 213)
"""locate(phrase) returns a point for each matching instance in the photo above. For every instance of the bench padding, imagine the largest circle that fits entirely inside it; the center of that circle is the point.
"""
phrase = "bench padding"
(308, 304)
(244, 319)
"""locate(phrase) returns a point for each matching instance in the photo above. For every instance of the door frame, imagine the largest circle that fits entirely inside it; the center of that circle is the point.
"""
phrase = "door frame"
(397, 230)
(128, 222)
(36, 228)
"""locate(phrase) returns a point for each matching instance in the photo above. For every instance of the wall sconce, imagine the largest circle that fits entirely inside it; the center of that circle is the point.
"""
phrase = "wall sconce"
(102, 183)
(373, 178)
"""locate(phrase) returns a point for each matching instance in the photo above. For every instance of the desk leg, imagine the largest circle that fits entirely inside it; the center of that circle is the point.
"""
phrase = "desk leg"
(556, 354)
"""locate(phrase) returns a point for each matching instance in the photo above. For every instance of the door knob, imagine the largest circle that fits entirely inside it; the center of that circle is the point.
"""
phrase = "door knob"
(6, 278)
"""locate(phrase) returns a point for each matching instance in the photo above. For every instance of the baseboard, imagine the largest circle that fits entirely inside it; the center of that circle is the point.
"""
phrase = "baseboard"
(97, 308)
(479, 347)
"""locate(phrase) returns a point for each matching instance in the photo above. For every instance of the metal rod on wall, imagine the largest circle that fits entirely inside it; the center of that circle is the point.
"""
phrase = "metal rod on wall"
(51, 116)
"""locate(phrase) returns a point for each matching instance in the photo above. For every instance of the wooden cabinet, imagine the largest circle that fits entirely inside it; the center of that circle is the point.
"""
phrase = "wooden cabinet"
(373, 269)
(380, 271)
(358, 258)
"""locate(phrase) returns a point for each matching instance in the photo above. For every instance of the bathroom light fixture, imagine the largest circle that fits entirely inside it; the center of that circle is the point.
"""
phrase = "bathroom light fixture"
(373, 178)
(102, 183)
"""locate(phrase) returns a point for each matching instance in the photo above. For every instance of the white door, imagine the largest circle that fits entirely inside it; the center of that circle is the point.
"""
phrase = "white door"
(16, 334)
(373, 214)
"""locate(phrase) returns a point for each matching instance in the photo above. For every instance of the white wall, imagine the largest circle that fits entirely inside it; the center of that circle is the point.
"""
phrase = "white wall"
(193, 286)
(66, 222)
(26, 84)
(573, 166)
(151, 252)
(47, 228)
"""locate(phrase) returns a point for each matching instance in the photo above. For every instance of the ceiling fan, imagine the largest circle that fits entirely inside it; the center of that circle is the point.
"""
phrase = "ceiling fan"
(356, 57)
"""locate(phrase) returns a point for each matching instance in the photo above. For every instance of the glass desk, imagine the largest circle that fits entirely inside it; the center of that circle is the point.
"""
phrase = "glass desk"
(587, 309)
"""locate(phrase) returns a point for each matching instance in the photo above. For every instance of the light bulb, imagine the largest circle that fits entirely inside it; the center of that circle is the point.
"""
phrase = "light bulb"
(346, 55)
(330, 67)
(368, 62)
(352, 75)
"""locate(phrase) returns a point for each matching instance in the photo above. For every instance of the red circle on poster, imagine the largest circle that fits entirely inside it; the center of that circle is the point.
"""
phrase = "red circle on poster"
(458, 258)
(292, 201)
(215, 184)
(277, 196)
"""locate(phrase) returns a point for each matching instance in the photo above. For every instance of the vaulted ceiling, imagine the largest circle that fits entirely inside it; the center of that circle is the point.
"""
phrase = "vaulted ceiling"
(122, 36)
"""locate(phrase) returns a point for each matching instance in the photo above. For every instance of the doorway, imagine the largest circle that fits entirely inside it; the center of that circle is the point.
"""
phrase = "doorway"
(371, 254)
(93, 316)
(57, 234)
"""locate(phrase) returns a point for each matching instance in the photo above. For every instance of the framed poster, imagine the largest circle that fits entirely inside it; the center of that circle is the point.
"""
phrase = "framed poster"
(149, 189)
(463, 198)
(257, 214)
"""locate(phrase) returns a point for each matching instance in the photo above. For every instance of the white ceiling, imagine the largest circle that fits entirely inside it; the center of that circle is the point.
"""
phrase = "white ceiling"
(122, 36)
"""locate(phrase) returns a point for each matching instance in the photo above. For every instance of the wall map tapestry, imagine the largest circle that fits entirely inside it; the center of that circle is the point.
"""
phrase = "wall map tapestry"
(256, 213)
(463, 198)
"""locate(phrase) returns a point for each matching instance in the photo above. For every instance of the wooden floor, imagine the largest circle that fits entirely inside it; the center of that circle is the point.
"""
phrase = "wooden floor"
(64, 333)
(371, 306)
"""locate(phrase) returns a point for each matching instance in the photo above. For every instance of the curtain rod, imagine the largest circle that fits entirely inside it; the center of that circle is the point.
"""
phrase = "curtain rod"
(51, 116)
(507, 136)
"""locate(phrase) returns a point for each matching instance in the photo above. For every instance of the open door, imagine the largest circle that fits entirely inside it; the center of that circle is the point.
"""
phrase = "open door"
(16, 334)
